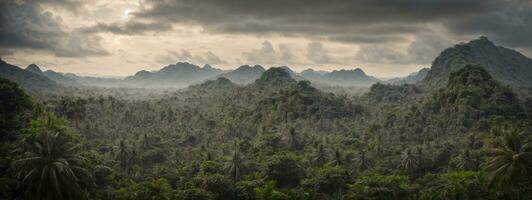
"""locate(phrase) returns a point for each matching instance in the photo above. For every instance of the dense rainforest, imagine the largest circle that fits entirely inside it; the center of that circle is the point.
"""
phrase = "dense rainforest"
(276, 138)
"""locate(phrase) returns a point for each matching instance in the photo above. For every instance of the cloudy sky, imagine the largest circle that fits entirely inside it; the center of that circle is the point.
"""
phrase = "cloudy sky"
(384, 37)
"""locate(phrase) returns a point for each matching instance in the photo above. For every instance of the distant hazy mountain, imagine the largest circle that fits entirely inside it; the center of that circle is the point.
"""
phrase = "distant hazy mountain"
(310, 73)
(34, 68)
(506, 65)
(356, 77)
(176, 75)
(411, 78)
(244, 74)
(59, 78)
(287, 69)
(274, 78)
(26, 79)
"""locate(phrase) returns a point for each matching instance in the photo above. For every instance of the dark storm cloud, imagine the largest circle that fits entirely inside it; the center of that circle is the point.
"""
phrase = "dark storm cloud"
(72, 5)
(510, 24)
(127, 28)
(366, 22)
(27, 26)
(346, 21)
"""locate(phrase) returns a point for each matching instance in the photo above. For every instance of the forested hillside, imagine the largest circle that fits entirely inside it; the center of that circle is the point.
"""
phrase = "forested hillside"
(275, 138)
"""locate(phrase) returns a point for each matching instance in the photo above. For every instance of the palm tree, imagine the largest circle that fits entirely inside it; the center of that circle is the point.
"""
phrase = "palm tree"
(409, 162)
(266, 192)
(510, 159)
(294, 141)
(467, 161)
(235, 168)
(145, 142)
(50, 166)
(123, 155)
(321, 156)
(363, 162)
(338, 158)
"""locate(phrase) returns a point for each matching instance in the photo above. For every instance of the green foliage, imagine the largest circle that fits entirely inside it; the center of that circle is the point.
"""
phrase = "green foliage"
(14, 104)
(510, 159)
(285, 170)
(277, 138)
(50, 166)
(194, 194)
(328, 179)
(158, 189)
(218, 185)
(455, 185)
(380, 187)
(268, 192)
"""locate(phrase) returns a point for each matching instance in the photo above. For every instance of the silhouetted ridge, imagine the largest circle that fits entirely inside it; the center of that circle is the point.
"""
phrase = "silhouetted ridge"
(275, 77)
(34, 68)
(506, 65)
(179, 74)
(244, 74)
(26, 79)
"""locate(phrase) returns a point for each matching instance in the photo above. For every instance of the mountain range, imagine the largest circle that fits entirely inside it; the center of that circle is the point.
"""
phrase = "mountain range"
(179, 74)
(26, 78)
(60, 78)
(505, 65)
(244, 74)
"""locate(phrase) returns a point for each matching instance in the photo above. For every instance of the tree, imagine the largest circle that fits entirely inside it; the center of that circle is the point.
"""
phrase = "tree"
(13, 104)
(467, 161)
(338, 158)
(284, 170)
(328, 179)
(123, 154)
(50, 166)
(380, 187)
(510, 159)
(409, 162)
(321, 156)
(157, 189)
(218, 185)
(268, 192)
(235, 168)
(295, 144)
(362, 161)
(454, 185)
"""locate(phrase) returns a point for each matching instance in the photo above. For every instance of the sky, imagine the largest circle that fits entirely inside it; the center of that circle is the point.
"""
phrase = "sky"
(385, 38)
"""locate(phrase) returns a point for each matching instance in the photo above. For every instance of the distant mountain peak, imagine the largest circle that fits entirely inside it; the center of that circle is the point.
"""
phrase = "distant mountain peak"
(34, 68)
(259, 67)
(175, 75)
(275, 77)
(343, 77)
(287, 69)
(481, 41)
(244, 74)
(27, 79)
(359, 71)
(505, 65)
